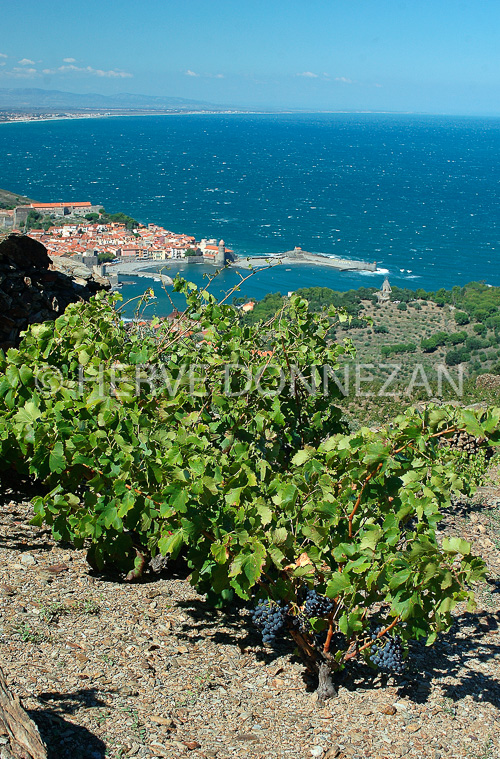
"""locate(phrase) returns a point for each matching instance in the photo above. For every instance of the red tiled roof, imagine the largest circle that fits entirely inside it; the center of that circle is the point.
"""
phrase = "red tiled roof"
(85, 203)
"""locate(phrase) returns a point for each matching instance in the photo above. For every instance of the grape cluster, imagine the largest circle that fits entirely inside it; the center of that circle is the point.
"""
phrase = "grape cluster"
(387, 653)
(270, 617)
(316, 605)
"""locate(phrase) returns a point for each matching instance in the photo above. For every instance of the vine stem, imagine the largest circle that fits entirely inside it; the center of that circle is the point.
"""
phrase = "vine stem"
(352, 654)
(358, 499)
(309, 652)
(329, 635)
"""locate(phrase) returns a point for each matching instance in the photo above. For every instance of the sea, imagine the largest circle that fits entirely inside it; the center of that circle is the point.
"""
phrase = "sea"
(418, 194)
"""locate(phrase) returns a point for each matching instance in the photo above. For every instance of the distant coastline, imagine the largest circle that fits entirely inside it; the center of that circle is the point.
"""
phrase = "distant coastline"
(36, 116)
(33, 118)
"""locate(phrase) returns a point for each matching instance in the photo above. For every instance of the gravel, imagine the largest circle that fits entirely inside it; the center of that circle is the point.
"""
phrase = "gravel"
(108, 669)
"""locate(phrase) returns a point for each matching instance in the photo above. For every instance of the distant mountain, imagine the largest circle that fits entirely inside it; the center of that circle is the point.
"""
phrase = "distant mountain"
(30, 99)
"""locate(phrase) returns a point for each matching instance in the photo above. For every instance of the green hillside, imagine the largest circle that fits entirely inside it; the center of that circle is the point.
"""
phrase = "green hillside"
(11, 199)
(420, 336)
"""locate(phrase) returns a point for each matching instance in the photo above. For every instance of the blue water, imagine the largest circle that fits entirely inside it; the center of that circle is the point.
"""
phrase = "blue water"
(419, 193)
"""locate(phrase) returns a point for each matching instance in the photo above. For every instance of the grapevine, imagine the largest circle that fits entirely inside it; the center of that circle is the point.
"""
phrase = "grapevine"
(266, 493)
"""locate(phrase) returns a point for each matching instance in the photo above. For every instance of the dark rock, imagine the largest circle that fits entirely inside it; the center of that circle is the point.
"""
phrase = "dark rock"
(35, 287)
(24, 253)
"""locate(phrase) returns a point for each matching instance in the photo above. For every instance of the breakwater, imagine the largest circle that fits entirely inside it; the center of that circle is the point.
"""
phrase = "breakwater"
(299, 256)
(156, 276)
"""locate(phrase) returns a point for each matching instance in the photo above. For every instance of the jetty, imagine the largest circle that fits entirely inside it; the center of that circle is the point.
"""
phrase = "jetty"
(163, 278)
(299, 256)
(134, 269)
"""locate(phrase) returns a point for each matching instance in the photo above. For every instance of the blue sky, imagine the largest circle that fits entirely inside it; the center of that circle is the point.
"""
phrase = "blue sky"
(438, 56)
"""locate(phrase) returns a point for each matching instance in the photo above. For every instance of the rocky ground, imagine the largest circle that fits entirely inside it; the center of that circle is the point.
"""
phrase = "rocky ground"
(113, 670)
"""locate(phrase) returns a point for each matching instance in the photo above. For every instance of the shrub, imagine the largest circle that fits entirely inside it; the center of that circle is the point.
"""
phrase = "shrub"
(429, 345)
(461, 317)
(457, 337)
(455, 357)
(475, 343)
(388, 350)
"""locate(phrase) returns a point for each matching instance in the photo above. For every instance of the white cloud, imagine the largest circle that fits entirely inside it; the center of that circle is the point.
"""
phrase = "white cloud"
(204, 76)
(308, 74)
(343, 79)
(71, 69)
(377, 85)
(69, 60)
(112, 74)
(2, 55)
(26, 62)
(19, 72)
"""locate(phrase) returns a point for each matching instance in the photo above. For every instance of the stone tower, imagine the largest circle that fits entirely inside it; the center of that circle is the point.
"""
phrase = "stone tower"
(220, 256)
(384, 294)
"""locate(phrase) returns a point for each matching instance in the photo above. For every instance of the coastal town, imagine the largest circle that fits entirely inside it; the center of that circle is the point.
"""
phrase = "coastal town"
(78, 230)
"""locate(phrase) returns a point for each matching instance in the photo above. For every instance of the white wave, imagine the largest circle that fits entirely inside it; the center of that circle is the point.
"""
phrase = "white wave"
(373, 273)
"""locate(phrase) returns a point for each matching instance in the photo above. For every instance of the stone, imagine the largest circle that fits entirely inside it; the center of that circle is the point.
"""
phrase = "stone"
(28, 560)
(159, 720)
(388, 709)
(23, 252)
(35, 287)
(317, 751)
(178, 745)
(247, 737)
(56, 569)
(488, 381)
